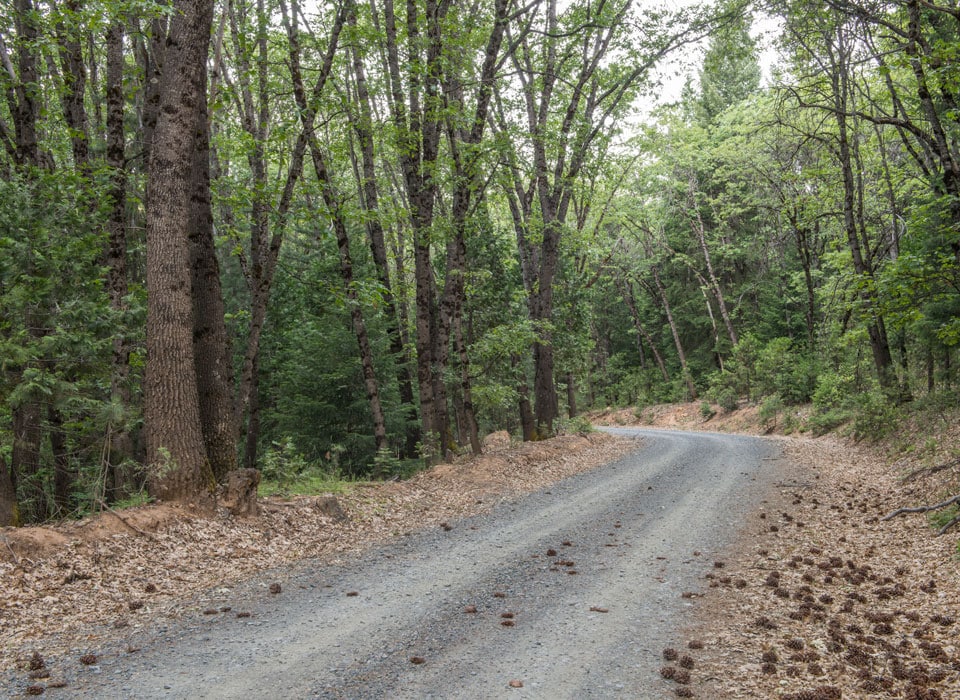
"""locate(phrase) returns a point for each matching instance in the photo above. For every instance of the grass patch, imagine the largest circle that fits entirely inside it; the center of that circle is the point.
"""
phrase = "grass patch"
(307, 484)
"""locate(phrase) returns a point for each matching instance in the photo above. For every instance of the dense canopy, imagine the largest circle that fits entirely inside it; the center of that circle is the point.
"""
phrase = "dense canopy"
(356, 237)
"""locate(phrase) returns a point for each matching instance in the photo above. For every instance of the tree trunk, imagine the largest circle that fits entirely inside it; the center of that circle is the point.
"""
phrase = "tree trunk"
(176, 453)
(417, 127)
(628, 296)
(63, 476)
(879, 344)
(571, 396)
(699, 230)
(353, 299)
(9, 508)
(74, 76)
(370, 201)
(121, 444)
(251, 444)
(211, 343)
(25, 459)
(469, 414)
(528, 423)
(24, 98)
(691, 387)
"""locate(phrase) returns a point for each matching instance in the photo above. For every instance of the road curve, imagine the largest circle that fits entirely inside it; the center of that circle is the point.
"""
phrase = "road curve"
(630, 529)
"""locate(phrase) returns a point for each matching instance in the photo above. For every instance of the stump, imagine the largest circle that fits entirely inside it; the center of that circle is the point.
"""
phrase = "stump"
(239, 494)
(330, 506)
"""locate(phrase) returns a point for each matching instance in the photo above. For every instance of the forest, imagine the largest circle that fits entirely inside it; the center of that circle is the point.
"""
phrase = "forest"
(354, 237)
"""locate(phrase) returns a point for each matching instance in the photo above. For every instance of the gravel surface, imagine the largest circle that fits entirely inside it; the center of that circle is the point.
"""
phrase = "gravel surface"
(589, 571)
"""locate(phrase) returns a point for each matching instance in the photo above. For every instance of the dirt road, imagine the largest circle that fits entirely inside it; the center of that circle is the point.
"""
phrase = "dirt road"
(571, 592)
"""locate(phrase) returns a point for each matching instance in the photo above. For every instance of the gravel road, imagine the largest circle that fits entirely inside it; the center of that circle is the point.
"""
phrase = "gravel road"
(590, 570)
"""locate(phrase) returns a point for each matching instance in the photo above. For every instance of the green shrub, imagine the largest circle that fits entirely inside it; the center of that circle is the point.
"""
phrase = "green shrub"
(823, 422)
(728, 399)
(875, 417)
(707, 411)
(578, 425)
(770, 409)
(833, 392)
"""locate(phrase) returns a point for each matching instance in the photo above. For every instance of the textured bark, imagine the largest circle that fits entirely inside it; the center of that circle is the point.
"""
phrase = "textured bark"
(528, 423)
(152, 60)
(211, 343)
(466, 390)
(571, 395)
(176, 454)
(239, 494)
(24, 98)
(121, 444)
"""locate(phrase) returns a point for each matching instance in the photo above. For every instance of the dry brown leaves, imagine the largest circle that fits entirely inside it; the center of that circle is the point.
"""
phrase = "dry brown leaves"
(70, 586)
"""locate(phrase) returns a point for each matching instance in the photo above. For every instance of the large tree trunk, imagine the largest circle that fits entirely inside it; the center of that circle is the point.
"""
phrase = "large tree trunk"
(211, 343)
(176, 453)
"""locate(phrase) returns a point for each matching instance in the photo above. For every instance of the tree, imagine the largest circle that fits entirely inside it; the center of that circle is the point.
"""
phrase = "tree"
(561, 123)
(176, 453)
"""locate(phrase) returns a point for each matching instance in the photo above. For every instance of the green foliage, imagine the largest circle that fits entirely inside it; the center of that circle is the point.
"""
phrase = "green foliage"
(770, 409)
(707, 411)
(940, 518)
(833, 391)
(282, 464)
(824, 422)
(578, 425)
(134, 500)
(285, 472)
(875, 417)
(728, 399)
